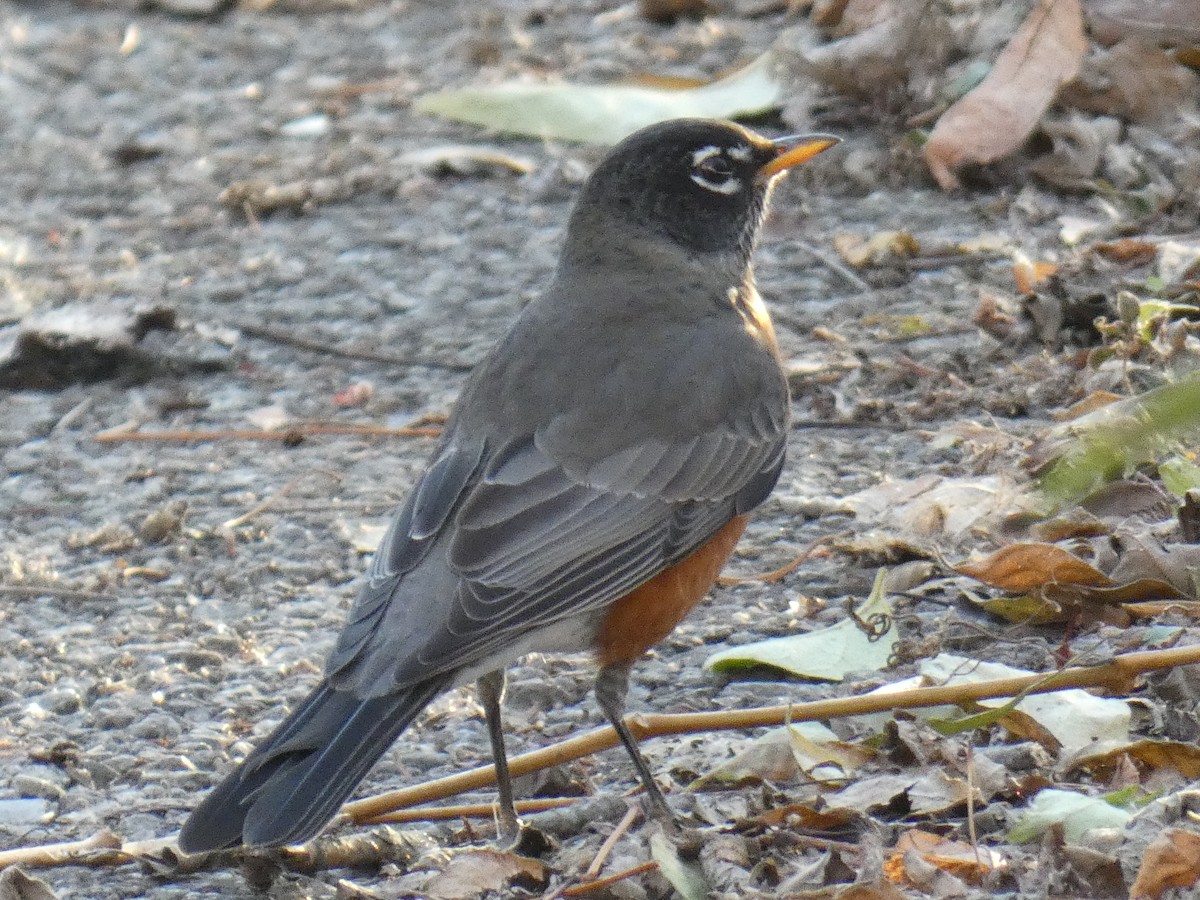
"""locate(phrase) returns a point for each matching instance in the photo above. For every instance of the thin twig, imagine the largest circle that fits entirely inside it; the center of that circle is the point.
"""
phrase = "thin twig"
(589, 887)
(266, 503)
(834, 265)
(49, 855)
(777, 575)
(290, 434)
(470, 810)
(635, 810)
(1117, 674)
(42, 590)
(301, 343)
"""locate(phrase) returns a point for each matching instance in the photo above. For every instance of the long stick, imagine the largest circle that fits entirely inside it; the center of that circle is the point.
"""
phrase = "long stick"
(1117, 674)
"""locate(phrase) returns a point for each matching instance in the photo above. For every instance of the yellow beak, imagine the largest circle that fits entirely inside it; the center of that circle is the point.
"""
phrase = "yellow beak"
(796, 149)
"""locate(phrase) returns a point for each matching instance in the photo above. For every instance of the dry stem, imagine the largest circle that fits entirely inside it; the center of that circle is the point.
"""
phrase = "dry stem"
(1116, 675)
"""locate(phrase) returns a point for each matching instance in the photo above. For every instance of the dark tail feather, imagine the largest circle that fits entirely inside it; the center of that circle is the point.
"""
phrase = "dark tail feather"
(294, 782)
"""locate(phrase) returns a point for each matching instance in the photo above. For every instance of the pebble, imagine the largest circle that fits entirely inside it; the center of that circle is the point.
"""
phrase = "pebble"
(32, 786)
(61, 701)
(24, 811)
(158, 726)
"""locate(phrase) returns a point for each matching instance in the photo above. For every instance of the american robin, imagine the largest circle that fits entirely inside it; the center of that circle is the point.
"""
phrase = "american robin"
(594, 476)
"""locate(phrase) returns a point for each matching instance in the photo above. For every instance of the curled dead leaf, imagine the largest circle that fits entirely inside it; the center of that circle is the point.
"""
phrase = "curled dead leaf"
(1029, 274)
(970, 863)
(1154, 755)
(996, 117)
(1026, 567)
(1127, 251)
(862, 251)
(475, 873)
(1172, 860)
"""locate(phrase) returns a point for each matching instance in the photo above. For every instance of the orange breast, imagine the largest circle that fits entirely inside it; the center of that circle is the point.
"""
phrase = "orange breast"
(646, 615)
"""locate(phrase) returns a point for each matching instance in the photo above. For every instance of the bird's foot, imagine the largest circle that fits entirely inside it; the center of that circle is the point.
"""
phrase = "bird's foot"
(521, 839)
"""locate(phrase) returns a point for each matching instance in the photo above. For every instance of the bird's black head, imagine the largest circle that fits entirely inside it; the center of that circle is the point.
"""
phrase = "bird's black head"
(703, 183)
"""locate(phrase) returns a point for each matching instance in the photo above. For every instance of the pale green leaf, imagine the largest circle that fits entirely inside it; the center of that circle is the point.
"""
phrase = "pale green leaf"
(1124, 435)
(1076, 813)
(686, 877)
(1179, 475)
(1075, 718)
(603, 114)
(828, 653)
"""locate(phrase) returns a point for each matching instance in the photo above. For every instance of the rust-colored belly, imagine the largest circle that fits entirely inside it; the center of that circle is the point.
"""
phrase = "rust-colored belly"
(647, 614)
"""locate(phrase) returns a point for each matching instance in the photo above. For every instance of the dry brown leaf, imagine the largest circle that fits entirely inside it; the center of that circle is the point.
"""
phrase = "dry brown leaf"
(1136, 80)
(1023, 725)
(1173, 22)
(475, 873)
(1136, 591)
(1171, 861)
(997, 116)
(1089, 404)
(1155, 755)
(1022, 568)
(824, 759)
(1029, 274)
(1177, 565)
(862, 251)
(868, 64)
(1074, 523)
(806, 817)
(960, 859)
(1149, 609)
(1127, 251)
(1188, 56)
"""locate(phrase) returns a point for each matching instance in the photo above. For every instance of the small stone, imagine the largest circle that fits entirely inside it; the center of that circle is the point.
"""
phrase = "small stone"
(62, 701)
(158, 726)
(311, 126)
(163, 522)
(32, 786)
(25, 811)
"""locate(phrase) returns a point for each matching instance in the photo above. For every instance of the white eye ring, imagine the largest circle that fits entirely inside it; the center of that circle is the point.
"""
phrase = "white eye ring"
(712, 170)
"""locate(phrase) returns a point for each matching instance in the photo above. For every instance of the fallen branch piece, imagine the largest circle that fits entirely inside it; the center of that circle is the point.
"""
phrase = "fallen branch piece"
(291, 434)
(1117, 675)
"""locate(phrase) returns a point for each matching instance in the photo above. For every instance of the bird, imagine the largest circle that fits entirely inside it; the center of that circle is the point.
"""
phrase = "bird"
(594, 475)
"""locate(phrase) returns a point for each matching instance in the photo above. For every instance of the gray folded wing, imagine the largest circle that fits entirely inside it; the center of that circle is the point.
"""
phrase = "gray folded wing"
(495, 543)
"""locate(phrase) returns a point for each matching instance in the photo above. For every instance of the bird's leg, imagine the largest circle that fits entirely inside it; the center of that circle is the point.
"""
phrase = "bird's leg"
(490, 688)
(612, 684)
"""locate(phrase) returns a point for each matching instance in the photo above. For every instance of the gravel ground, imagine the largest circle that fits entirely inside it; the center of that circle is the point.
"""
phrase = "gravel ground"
(146, 642)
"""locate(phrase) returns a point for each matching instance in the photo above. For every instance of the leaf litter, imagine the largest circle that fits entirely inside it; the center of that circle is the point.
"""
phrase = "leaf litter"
(1102, 171)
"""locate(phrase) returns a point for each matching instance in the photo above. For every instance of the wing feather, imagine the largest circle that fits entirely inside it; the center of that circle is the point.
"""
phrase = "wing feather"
(498, 542)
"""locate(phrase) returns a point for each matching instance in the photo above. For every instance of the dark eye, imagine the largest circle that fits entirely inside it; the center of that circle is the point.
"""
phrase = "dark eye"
(715, 168)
